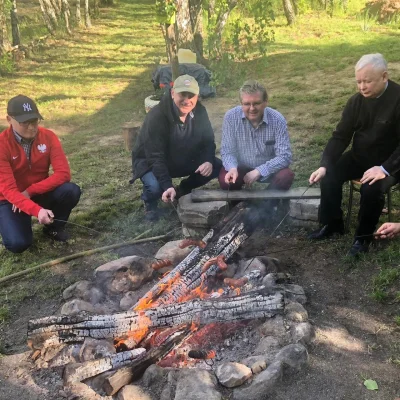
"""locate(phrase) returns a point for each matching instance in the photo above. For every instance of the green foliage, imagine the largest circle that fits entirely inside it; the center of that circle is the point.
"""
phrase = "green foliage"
(397, 320)
(6, 64)
(165, 11)
(370, 384)
(382, 282)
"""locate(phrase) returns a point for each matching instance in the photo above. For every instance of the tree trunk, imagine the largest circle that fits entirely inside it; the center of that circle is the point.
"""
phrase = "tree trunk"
(56, 7)
(221, 20)
(289, 12)
(172, 51)
(67, 13)
(4, 42)
(96, 9)
(88, 23)
(78, 12)
(16, 41)
(49, 15)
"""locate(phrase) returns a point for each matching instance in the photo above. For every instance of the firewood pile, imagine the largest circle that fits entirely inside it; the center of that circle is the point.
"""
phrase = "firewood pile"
(177, 323)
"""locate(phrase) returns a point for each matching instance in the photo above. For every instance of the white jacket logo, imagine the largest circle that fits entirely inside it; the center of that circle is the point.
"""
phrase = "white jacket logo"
(42, 148)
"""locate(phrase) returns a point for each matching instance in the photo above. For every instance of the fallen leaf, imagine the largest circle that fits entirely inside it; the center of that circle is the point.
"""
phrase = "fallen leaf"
(371, 384)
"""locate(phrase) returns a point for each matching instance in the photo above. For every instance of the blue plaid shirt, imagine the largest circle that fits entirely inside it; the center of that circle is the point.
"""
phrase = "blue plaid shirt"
(265, 148)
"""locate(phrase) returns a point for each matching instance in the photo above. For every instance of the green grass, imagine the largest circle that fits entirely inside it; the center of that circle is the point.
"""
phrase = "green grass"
(88, 85)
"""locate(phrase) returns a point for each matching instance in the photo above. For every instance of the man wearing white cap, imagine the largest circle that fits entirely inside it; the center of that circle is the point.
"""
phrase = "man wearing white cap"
(176, 140)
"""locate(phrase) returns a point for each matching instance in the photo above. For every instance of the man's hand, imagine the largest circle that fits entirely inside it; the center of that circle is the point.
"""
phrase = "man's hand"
(372, 175)
(317, 175)
(388, 230)
(168, 195)
(205, 169)
(45, 217)
(26, 194)
(251, 177)
(231, 176)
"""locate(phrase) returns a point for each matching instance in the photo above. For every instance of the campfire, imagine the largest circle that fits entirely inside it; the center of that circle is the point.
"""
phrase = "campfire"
(182, 321)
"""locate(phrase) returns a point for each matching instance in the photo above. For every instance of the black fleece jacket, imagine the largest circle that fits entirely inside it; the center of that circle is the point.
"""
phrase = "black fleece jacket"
(374, 126)
(168, 155)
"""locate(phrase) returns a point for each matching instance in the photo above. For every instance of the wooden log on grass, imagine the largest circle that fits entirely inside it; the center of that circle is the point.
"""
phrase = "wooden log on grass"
(200, 195)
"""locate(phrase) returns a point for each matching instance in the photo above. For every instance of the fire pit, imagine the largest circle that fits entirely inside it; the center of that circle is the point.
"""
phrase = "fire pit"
(213, 323)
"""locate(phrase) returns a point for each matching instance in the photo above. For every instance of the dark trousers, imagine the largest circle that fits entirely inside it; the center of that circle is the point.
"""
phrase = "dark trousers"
(152, 190)
(372, 196)
(281, 180)
(16, 227)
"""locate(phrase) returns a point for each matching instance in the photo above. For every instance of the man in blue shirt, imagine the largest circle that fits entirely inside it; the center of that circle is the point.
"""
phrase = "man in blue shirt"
(255, 143)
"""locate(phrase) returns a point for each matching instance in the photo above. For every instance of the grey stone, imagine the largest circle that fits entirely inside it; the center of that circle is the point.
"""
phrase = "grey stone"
(262, 385)
(93, 349)
(132, 392)
(77, 306)
(259, 366)
(98, 381)
(251, 264)
(295, 312)
(167, 393)
(252, 360)
(125, 274)
(84, 290)
(232, 374)
(304, 209)
(204, 214)
(171, 251)
(301, 223)
(154, 374)
(128, 300)
(302, 332)
(267, 345)
(271, 264)
(196, 384)
(190, 231)
(293, 356)
(275, 327)
(295, 293)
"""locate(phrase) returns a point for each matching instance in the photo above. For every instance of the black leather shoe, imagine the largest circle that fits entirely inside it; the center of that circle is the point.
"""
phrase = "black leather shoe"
(326, 232)
(60, 235)
(358, 248)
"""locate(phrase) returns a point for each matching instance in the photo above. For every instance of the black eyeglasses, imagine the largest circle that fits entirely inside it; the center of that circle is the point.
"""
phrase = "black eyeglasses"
(34, 122)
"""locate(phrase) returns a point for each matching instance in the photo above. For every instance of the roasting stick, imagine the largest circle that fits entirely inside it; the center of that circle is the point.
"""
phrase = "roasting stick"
(135, 240)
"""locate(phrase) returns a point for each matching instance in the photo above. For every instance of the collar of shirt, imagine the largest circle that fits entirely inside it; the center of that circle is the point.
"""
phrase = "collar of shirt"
(176, 110)
(265, 119)
(20, 139)
(387, 83)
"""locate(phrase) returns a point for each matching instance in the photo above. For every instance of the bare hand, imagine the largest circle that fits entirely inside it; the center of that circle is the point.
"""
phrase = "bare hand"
(388, 230)
(15, 208)
(231, 175)
(317, 175)
(205, 169)
(251, 177)
(372, 175)
(168, 195)
(45, 217)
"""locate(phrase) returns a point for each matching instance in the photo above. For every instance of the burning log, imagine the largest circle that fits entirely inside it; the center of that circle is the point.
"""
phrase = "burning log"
(224, 239)
(80, 372)
(126, 375)
(69, 329)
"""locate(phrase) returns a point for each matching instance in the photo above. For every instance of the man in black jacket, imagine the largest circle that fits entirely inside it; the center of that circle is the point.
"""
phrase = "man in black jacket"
(371, 121)
(176, 140)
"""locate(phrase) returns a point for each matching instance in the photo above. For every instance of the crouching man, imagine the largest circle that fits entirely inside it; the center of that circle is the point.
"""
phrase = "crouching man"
(26, 189)
(176, 140)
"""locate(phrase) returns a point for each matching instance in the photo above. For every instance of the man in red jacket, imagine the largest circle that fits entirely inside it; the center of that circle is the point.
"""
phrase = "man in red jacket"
(26, 189)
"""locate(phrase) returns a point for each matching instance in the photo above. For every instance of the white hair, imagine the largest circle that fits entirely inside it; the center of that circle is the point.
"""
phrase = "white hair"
(375, 60)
